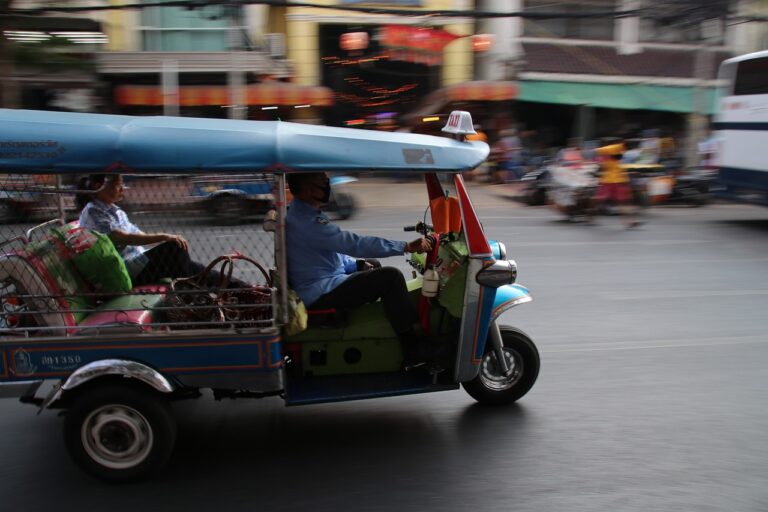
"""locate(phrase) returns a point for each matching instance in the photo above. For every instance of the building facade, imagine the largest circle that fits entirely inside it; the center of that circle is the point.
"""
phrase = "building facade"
(604, 76)
(212, 61)
(379, 66)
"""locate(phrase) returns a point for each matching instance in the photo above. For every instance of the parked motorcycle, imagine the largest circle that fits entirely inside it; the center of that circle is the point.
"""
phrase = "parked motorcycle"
(693, 186)
(536, 183)
(572, 187)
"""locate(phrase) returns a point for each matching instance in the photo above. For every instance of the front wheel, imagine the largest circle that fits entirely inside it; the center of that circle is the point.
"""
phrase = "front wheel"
(119, 433)
(491, 386)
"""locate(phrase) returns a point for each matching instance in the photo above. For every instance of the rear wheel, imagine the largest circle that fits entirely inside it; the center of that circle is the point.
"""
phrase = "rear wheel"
(229, 209)
(537, 197)
(491, 386)
(119, 433)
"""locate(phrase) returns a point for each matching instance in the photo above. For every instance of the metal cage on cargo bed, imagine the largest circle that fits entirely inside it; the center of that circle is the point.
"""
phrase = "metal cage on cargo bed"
(45, 290)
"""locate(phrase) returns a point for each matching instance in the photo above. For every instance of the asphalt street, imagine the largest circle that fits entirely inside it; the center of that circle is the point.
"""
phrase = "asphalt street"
(651, 396)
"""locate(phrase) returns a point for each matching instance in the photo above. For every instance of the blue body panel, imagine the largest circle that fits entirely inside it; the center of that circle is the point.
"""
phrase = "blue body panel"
(486, 304)
(495, 249)
(39, 141)
(173, 356)
(493, 302)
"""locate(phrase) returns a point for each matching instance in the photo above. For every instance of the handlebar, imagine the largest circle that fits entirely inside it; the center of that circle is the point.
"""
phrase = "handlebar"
(420, 227)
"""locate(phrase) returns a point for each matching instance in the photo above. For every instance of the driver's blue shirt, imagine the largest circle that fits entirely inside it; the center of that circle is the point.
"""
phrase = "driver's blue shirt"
(321, 255)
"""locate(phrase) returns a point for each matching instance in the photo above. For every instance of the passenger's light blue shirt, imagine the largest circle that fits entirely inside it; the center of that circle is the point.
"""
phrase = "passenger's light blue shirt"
(106, 218)
(321, 255)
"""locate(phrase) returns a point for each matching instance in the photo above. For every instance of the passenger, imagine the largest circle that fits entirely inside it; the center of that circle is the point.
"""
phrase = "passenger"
(169, 259)
(327, 270)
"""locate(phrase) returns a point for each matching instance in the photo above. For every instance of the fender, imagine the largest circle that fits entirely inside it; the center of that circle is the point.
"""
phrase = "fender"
(341, 180)
(227, 192)
(509, 296)
(104, 367)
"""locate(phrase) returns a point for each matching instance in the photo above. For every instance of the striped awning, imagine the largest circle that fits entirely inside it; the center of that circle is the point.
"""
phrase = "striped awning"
(265, 94)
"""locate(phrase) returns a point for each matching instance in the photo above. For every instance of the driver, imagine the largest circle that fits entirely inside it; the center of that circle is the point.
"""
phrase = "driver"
(327, 269)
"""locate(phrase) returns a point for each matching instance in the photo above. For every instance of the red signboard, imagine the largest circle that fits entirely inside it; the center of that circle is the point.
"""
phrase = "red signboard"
(419, 44)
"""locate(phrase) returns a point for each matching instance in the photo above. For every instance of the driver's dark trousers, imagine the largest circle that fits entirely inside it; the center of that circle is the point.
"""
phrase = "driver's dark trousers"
(367, 286)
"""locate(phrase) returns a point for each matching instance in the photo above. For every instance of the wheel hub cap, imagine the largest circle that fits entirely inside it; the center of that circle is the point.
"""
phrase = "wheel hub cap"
(491, 373)
(117, 436)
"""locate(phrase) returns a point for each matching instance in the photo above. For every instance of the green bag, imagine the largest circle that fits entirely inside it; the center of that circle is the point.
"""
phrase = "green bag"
(97, 260)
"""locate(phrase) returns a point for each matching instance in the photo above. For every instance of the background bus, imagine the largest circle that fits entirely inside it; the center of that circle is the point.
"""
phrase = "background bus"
(742, 128)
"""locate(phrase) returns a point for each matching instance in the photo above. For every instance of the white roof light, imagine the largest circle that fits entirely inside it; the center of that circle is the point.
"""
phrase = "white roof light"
(459, 123)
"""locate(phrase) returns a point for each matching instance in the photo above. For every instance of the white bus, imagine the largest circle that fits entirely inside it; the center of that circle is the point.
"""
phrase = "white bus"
(742, 128)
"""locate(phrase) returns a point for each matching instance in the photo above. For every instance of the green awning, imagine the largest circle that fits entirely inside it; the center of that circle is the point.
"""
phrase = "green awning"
(621, 96)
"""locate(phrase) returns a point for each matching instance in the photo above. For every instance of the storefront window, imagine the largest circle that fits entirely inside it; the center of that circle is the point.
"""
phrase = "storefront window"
(177, 29)
(598, 28)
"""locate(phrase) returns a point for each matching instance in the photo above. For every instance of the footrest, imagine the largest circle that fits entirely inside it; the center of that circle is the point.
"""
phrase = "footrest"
(326, 317)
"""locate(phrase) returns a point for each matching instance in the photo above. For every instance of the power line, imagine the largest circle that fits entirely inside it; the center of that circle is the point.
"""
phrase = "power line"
(195, 4)
(691, 11)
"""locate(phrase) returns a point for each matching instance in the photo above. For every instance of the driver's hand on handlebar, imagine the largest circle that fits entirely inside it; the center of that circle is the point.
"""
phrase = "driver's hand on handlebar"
(419, 245)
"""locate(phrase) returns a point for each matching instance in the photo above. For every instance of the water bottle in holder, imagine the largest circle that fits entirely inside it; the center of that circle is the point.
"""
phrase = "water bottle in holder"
(430, 282)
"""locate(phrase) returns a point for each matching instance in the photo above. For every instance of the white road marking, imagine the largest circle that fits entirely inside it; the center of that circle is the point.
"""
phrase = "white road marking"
(652, 344)
(646, 262)
(593, 243)
(679, 294)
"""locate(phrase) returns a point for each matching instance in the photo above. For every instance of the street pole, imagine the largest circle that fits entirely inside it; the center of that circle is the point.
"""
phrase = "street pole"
(9, 87)
(498, 62)
(170, 87)
(697, 120)
(236, 75)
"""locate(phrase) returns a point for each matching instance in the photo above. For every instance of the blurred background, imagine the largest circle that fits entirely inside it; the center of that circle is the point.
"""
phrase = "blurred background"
(653, 340)
(560, 69)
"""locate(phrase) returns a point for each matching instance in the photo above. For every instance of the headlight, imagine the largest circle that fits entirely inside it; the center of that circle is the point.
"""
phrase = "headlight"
(498, 274)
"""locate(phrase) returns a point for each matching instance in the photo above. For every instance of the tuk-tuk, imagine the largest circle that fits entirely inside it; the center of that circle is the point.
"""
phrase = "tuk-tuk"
(114, 360)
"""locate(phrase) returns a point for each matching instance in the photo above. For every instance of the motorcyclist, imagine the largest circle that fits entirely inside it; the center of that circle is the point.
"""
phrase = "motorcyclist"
(615, 183)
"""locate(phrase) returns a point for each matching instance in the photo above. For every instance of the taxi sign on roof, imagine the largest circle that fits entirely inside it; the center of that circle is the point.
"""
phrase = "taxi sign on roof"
(459, 123)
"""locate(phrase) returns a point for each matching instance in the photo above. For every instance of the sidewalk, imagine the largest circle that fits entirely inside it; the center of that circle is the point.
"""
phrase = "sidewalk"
(382, 193)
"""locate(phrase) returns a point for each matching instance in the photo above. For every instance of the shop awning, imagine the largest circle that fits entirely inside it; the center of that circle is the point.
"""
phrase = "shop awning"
(620, 96)
(478, 90)
(266, 94)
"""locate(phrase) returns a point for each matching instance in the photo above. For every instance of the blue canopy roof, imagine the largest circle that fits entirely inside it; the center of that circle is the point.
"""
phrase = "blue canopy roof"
(39, 141)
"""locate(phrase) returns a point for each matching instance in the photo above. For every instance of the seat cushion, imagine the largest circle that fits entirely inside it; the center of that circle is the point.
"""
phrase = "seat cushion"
(127, 310)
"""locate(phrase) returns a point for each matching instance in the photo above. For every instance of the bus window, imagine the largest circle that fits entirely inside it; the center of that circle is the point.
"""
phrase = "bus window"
(751, 77)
